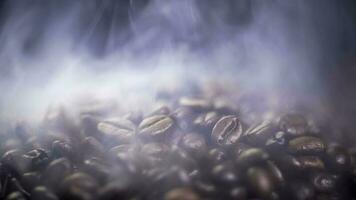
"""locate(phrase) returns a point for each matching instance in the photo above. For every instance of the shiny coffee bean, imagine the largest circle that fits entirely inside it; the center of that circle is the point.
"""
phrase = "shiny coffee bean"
(38, 159)
(252, 156)
(310, 162)
(227, 131)
(121, 129)
(43, 193)
(259, 133)
(293, 124)
(260, 182)
(15, 196)
(156, 126)
(338, 159)
(306, 145)
(226, 175)
(181, 194)
(323, 182)
(194, 143)
(195, 103)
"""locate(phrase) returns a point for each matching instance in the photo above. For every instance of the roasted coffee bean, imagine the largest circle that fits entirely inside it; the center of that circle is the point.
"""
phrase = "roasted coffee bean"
(207, 121)
(226, 175)
(217, 155)
(323, 182)
(121, 129)
(97, 169)
(135, 117)
(15, 196)
(79, 181)
(238, 193)
(277, 143)
(62, 149)
(182, 158)
(301, 191)
(195, 104)
(194, 143)
(156, 126)
(166, 179)
(253, 156)
(181, 194)
(56, 171)
(227, 131)
(310, 162)
(338, 159)
(259, 133)
(43, 193)
(260, 182)
(276, 173)
(155, 152)
(30, 180)
(14, 162)
(123, 151)
(37, 158)
(306, 145)
(92, 146)
(163, 110)
(293, 124)
(120, 189)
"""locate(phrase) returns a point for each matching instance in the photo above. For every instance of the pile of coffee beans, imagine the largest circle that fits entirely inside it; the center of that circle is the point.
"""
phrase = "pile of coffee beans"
(194, 147)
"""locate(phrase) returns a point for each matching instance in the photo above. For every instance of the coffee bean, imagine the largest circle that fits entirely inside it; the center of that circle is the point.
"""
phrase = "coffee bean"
(338, 159)
(227, 131)
(43, 193)
(276, 174)
(206, 121)
(194, 143)
(156, 126)
(323, 182)
(63, 149)
(195, 103)
(302, 191)
(226, 175)
(310, 162)
(38, 159)
(15, 196)
(306, 145)
(56, 171)
(293, 124)
(181, 194)
(260, 182)
(259, 133)
(253, 156)
(120, 129)
(217, 155)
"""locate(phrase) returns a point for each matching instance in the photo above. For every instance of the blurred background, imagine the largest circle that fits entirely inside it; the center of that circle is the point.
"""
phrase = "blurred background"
(51, 50)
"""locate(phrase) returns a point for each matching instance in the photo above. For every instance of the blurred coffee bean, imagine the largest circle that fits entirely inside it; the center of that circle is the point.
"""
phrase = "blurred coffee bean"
(163, 110)
(239, 193)
(338, 159)
(14, 162)
(181, 194)
(62, 149)
(56, 171)
(97, 169)
(276, 174)
(310, 162)
(259, 133)
(92, 146)
(227, 131)
(123, 151)
(134, 116)
(78, 182)
(30, 180)
(217, 155)
(301, 191)
(155, 152)
(252, 156)
(156, 126)
(277, 143)
(323, 182)
(15, 196)
(206, 121)
(226, 175)
(120, 189)
(194, 143)
(293, 124)
(306, 145)
(195, 104)
(260, 182)
(37, 158)
(120, 129)
(43, 193)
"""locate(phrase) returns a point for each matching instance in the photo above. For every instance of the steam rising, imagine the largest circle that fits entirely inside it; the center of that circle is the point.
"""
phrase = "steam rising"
(58, 51)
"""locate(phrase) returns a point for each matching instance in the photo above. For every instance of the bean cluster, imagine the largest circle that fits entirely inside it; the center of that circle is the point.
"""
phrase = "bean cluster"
(193, 148)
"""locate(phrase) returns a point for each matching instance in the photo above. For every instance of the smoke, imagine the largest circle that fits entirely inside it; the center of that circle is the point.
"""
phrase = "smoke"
(55, 51)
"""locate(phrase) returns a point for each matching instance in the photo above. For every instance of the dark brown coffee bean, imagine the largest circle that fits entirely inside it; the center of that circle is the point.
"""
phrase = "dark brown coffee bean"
(276, 173)
(123, 151)
(338, 159)
(156, 126)
(194, 143)
(56, 171)
(15, 196)
(227, 131)
(260, 182)
(14, 162)
(310, 162)
(155, 152)
(181, 194)
(259, 133)
(301, 191)
(207, 121)
(306, 145)
(323, 182)
(97, 169)
(37, 158)
(217, 155)
(63, 149)
(43, 193)
(226, 175)
(238, 193)
(253, 156)
(121, 129)
(195, 103)
(30, 180)
(92, 147)
(79, 181)
(293, 124)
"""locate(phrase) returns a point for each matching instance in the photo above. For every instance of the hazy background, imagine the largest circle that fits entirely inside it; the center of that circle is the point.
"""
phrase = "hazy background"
(52, 51)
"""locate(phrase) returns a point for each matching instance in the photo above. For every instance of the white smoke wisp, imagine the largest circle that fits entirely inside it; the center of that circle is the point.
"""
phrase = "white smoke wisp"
(46, 50)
